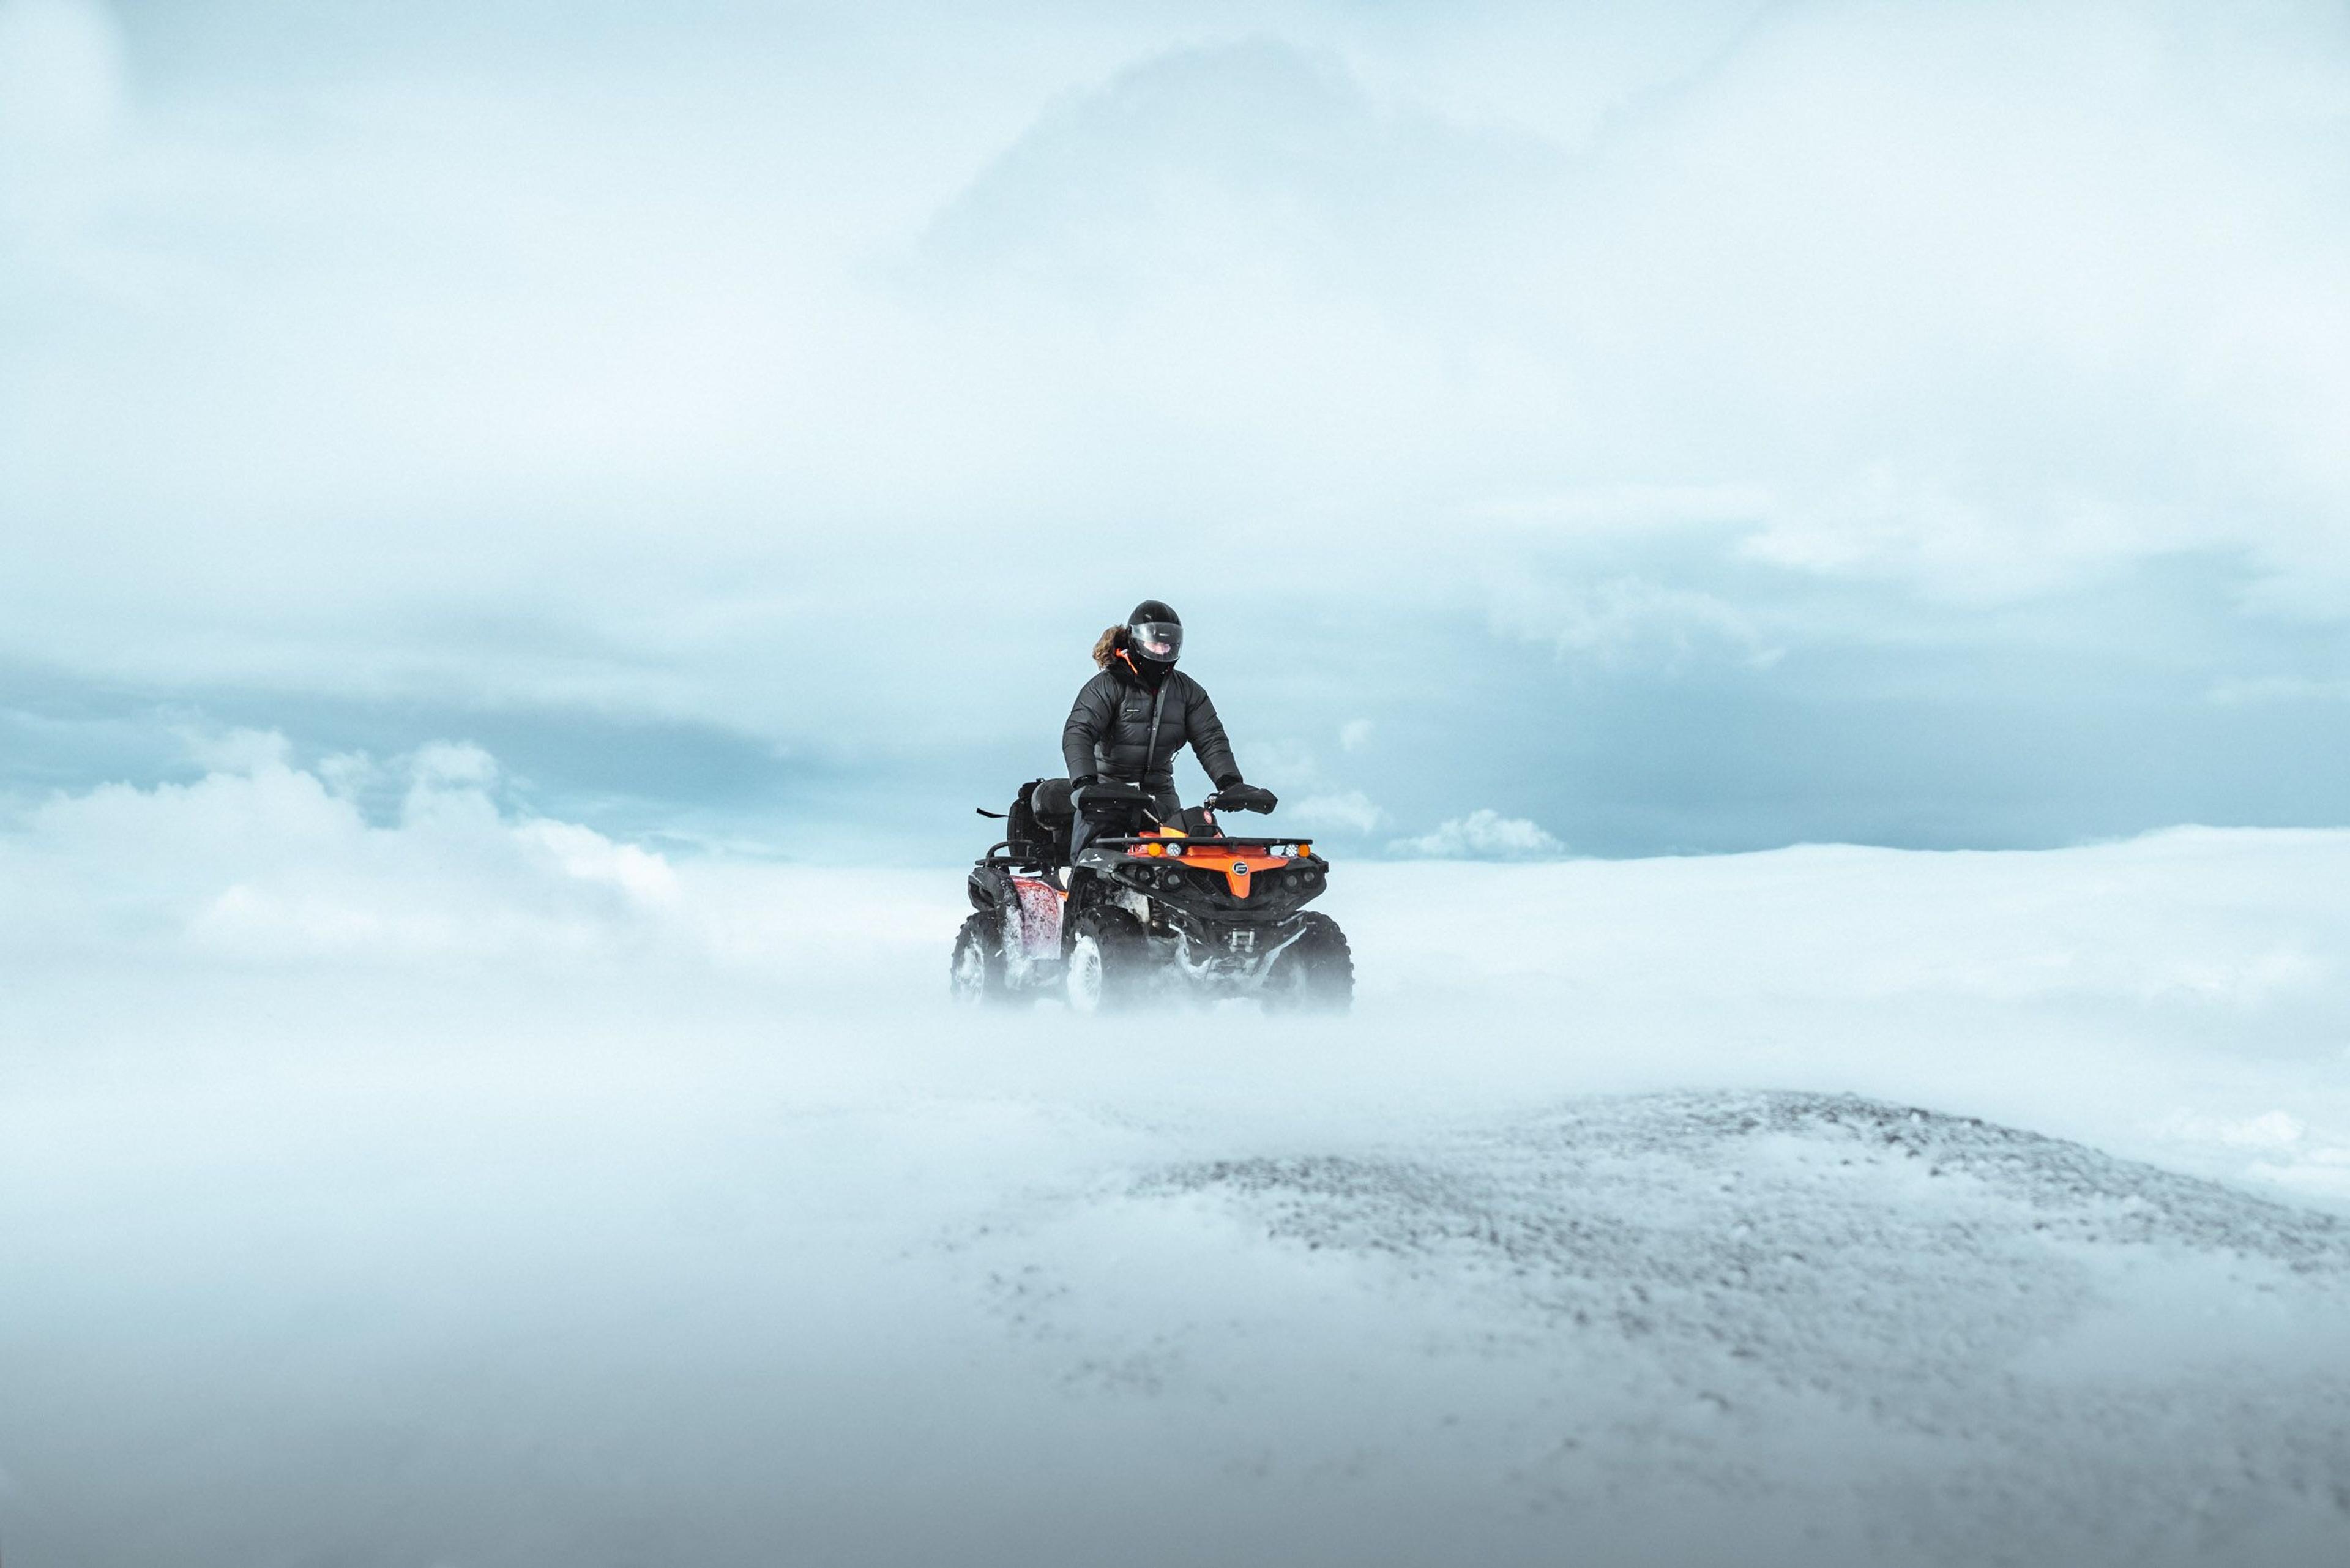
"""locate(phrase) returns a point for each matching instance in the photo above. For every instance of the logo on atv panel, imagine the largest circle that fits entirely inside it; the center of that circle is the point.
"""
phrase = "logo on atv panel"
(1240, 867)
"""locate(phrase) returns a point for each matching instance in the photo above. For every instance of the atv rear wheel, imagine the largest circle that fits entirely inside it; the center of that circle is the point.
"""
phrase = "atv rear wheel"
(1108, 963)
(1316, 973)
(975, 977)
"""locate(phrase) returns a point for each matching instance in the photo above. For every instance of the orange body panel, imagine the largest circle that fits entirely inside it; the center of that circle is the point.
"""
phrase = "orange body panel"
(1237, 866)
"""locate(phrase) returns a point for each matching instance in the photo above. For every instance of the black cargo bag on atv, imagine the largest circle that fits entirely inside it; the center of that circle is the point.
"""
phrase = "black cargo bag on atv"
(1036, 828)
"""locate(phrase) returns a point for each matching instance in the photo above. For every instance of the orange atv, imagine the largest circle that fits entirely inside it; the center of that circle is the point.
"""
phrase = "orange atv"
(1146, 909)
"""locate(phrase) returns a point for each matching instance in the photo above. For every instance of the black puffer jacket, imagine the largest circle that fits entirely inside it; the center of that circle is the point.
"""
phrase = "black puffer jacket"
(1109, 731)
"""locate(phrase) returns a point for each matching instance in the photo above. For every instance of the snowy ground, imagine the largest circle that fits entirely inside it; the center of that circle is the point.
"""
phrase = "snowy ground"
(1831, 1206)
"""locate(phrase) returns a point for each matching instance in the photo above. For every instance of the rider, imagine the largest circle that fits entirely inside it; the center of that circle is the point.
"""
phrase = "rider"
(1109, 735)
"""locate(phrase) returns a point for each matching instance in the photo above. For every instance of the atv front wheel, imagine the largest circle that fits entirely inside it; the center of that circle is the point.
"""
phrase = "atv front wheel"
(1107, 962)
(975, 977)
(1316, 973)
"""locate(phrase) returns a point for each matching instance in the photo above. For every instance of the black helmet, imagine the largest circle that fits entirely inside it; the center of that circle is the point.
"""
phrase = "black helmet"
(1155, 632)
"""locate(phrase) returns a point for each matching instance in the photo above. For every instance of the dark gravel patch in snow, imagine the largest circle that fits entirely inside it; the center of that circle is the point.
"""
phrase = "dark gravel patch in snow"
(1682, 1206)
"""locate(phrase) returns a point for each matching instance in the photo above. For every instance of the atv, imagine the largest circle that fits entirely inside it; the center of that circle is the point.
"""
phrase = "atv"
(1144, 909)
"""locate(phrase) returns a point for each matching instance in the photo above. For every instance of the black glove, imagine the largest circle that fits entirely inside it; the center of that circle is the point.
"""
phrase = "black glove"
(1082, 780)
(1246, 797)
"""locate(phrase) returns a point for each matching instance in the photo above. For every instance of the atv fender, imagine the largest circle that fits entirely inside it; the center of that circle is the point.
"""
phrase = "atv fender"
(991, 888)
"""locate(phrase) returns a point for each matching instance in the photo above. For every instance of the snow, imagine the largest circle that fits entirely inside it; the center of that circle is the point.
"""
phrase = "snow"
(469, 1190)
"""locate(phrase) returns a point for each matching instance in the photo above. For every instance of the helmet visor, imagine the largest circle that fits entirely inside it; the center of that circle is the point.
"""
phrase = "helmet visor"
(1162, 641)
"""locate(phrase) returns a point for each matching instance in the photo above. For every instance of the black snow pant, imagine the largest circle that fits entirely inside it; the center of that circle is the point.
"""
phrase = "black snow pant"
(1163, 802)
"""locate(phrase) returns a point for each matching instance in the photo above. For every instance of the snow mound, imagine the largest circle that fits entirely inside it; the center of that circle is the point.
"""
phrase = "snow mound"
(1703, 1323)
(1563, 1191)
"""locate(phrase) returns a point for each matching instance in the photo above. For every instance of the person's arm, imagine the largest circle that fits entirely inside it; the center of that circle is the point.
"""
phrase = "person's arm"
(1206, 733)
(1089, 718)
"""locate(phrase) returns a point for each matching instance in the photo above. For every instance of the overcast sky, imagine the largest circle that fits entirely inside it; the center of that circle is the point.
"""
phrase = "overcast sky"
(1672, 427)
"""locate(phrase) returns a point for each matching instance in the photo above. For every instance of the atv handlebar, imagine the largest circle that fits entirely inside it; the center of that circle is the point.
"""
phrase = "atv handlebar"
(1257, 799)
(1114, 793)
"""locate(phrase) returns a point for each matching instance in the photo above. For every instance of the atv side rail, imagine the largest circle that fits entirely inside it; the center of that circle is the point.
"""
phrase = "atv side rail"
(1020, 856)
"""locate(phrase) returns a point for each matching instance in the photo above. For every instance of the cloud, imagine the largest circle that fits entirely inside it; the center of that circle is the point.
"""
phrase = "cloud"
(61, 79)
(1352, 810)
(1796, 274)
(2270, 1130)
(1755, 345)
(261, 861)
(2278, 688)
(1907, 278)
(1482, 834)
(237, 750)
(261, 864)
(1626, 620)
